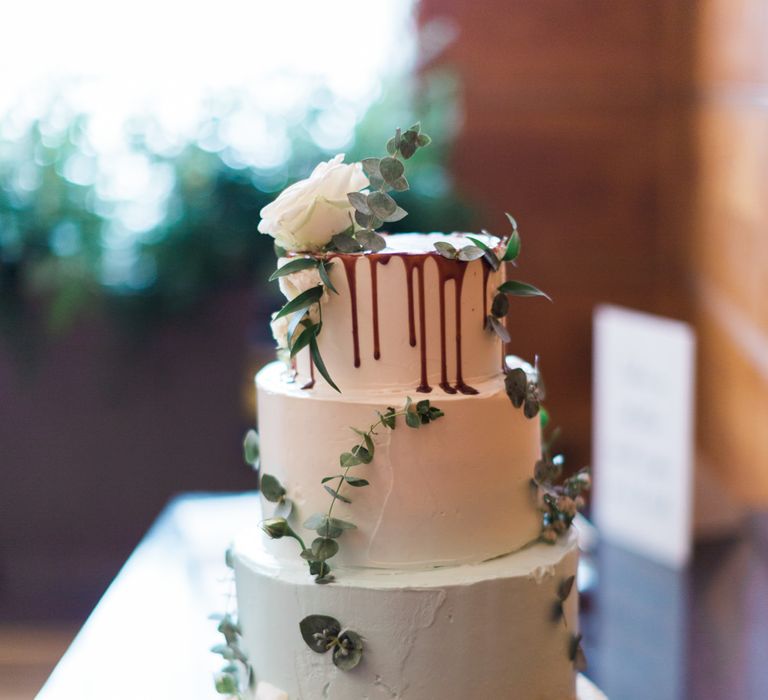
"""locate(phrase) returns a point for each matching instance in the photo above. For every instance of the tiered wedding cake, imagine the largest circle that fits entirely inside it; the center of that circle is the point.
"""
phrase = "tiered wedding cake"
(407, 551)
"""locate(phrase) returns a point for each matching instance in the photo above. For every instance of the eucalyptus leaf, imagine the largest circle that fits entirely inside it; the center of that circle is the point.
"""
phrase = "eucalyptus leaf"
(446, 249)
(522, 289)
(371, 241)
(531, 407)
(423, 140)
(316, 520)
(348, 459)
(324, 548)
(392, 146)
(324, 269)
(498, 328)
(363, 220)
(318, 360)
(500, 306)
(319, 631)
(516, 384)
(356, 481)
(381, 204)
(391, 169)
(371, 167)
(345, 243)
(512, 221)
(348, 653)
(408, 145)
(294, 266)
(470, 252)
(359, 201)
(397, 215)
(389, 417)
(251, 448)
(401, 184)
(271, 488)
(576, 653)
(362, 454)
(302, 301)
(336, 494)
(342, 524)
(565, 588)
(493, 262)
(412, 419)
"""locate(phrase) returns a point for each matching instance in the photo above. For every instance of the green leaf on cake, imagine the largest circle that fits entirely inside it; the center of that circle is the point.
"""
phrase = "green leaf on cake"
(498, 328)
(324, 269)
(446, 250)
(516, 384)
(412, 419)
(356, 481)
(336, 494)
(371, 167)
(347, 459)
(521, 289)
(324, 548)
(391, 169)
(349, 650)
(513, 248)
(565, 588)
(381, 204)
(576, 653)
(345, 243)
(294, 266)
(319, 632)
(305, 337)
(302, 301)
(251, 448)
(360, 202)
(500, 305)
(318, 360)
(272, 489)
(362, 453)
(371, 240)
(470, 253)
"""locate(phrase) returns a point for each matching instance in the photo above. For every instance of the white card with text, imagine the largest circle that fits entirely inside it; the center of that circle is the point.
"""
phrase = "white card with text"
(643, 418)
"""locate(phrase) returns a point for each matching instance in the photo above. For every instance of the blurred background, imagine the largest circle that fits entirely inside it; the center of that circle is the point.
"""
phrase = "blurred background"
(138, 144)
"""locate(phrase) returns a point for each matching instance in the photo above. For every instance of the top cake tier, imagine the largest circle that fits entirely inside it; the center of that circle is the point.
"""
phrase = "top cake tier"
(404, 318)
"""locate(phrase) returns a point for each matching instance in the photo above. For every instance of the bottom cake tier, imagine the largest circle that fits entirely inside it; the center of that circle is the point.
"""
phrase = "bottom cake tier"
(473, 632)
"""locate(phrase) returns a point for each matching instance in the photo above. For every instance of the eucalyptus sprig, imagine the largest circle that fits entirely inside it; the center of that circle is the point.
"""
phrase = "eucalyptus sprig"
(237, 673)
(327, 527)
(324, 633)
(299, 308)
(376, 206)
(560, 499)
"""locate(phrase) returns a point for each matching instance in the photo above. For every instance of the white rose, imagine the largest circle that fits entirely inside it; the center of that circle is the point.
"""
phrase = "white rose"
(279, 328)
(306, 215)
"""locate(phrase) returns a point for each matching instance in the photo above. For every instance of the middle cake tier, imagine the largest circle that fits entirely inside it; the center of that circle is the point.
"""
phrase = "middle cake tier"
(455, 491)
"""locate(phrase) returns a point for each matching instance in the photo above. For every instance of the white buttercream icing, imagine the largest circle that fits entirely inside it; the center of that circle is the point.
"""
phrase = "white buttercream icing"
(475, 631)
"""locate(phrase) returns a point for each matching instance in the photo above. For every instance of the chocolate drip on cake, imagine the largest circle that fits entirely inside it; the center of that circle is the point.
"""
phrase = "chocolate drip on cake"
(374, 261)
(414, 262)
(349, 262)
(451, 270)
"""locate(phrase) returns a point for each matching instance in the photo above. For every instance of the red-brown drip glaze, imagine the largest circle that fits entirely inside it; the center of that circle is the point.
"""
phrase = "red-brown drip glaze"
(416, 262)
(311, 381)
(374, 260)
(451, 270)
(349, 262)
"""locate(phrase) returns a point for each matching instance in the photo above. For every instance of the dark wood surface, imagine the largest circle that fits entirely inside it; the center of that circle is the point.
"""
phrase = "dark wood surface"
(649, 632)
